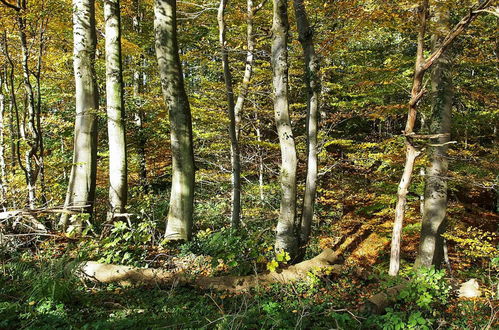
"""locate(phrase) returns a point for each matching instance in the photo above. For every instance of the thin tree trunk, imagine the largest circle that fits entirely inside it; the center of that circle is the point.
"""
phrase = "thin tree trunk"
(286, 236)
(30, 132)
(118, 185)
(417, 92)
(260, 157)
(248, 68)
(81, 188)
(432, 244)
(138, 89)
(179, 222)
(234, 146)
(3, 177)
(312, 81)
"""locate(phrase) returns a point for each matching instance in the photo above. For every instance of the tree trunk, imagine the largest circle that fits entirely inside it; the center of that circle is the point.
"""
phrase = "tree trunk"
(81, 188)
(179, 222)
(118, 186)
(286, 236)
(138, 89)
(248, 68)
(312, 81)
(431, 248)
(234, 149)
(3, 177)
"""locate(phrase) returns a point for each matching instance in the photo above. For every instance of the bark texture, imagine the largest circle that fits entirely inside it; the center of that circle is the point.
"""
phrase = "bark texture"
(179, 222)
(118, 185)
(107, 273)
(312, 82)
(286, 236)
(234, 145)
(431, 248)
(81, 188)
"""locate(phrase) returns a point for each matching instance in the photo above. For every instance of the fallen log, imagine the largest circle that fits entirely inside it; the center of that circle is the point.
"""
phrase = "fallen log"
(379, 302)
(108, 273)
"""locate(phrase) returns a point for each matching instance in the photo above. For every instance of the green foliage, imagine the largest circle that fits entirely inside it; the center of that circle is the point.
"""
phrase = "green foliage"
(419, 304)
(127, 243)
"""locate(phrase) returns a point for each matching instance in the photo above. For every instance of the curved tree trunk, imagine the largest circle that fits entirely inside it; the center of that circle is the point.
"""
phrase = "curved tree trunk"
(118, 186)
(286, 236)
(81, 188)
(234, 146)
(431, 248)
(312, 81)
(179, 222)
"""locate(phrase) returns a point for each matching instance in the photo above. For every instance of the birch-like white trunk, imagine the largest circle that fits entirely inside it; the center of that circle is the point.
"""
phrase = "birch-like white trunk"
(286, 226)
(81, 188)
(118, 186)
(179, 222)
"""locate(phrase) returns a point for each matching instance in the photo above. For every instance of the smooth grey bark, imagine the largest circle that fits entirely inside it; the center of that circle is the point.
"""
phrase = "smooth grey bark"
(81, 188)
(118, 184)
(234, 145)
(432, 244)
(312, 82)
(286, 226)
(179, 222)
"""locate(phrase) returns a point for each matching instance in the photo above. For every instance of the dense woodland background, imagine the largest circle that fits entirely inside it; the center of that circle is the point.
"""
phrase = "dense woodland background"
(366, 54)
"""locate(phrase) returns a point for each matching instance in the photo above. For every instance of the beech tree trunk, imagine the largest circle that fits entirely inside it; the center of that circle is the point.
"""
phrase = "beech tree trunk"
(234, 146)
(312, 81)
(81, 188)
(179, 222)
(118, 185)
(286, 227)
(417, 92)
(431, 248)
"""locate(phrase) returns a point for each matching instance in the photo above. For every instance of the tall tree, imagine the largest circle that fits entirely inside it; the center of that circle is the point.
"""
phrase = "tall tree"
(312, 82)
(118, 185)
(234, 145)
(432, 244)
(179, 222)
(81, 187)
(286, 236)
(412, 151)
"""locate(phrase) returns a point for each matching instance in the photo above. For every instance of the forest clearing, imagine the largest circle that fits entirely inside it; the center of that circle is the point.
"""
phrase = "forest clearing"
(249, 164)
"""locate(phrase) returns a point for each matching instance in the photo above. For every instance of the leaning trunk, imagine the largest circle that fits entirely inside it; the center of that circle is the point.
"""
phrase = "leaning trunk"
(179, 222)
(312, 81)
(431, 248)
(81, 188)
(286, 237)
(115, 111)
(234, 150)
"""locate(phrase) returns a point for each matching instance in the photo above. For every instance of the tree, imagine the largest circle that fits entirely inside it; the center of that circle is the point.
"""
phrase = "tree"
(81, 187)
(234, 146)
(312, 82)
(417, 92)
(179, 222)
(118, 185)
(286, 236)
(432, 244)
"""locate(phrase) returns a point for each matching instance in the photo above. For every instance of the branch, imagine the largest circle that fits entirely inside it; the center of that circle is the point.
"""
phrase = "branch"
(456, 31)
(12, 6)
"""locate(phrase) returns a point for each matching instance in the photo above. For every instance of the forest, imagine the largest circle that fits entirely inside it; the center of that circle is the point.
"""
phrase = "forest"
(249, 164)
